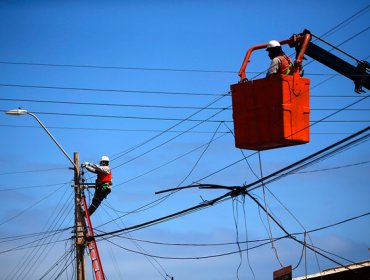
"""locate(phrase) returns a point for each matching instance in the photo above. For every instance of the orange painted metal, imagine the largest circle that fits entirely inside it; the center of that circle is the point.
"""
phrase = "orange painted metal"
(296, 40)
(92, 246)
(271, 113)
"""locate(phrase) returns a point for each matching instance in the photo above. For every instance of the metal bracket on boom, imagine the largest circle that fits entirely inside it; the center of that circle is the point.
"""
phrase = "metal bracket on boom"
(358, 74)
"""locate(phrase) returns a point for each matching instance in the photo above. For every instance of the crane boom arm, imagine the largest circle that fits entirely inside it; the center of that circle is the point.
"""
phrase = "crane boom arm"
(359, 74)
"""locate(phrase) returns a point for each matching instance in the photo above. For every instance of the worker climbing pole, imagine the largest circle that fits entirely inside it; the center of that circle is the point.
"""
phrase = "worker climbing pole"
(84, 229)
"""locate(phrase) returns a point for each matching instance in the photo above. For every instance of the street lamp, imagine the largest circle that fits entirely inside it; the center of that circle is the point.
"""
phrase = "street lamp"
(80, 247)
(19, 112)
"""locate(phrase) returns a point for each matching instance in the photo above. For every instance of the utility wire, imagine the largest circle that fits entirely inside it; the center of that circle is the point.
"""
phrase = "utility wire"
(157, 106)
(111, 104)
(31, 187)
(167, 141)
(156, 130)
(293, 237)
(114, 129)
(32, 171)
(207, 120)
(110, 90)
(237, 190)
(179, 244)
(197, 257)
(119, 67)
(334, 168)
(168, 129)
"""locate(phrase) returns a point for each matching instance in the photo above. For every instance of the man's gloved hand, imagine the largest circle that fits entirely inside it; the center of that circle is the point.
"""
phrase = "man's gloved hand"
(86, 164)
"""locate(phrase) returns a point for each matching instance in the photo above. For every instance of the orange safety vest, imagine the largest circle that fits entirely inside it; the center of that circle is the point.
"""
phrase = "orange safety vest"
(104, 177)
(285, 66)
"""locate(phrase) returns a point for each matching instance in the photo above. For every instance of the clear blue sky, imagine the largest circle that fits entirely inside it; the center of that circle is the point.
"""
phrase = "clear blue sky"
(149, 65)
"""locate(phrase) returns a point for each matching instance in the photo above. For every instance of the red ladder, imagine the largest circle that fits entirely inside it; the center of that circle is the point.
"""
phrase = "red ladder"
(91, 245)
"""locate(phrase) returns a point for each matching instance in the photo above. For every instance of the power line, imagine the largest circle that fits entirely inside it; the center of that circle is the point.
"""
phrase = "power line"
(303, 163)
(117, 129)
(334, 168)
(311, 159)
(110, 90)
(208, 120)
(111, 104)
(233, 243)
(118, 67)
(156, 106)
(235, 191)
(168, 129)
(149, 130)
(291, 236)
(197, 257)
(167, 163)
(32, 171)
(29, 207)
(127, 117)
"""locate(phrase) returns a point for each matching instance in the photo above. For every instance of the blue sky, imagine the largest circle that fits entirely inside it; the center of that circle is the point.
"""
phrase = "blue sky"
(117, 74)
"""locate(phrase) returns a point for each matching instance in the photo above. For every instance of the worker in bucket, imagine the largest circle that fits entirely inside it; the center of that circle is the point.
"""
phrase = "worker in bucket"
(103, 183)
(280, 62)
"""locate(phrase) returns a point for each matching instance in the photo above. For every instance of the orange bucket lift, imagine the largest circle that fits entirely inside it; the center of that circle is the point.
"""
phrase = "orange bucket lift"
(272, 112)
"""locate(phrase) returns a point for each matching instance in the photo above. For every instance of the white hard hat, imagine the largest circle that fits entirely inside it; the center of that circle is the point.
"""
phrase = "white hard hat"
(104, 158)
(272, 44)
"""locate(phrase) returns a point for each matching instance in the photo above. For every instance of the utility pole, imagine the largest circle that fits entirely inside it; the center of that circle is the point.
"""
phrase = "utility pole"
(79, 229)
(79, 219)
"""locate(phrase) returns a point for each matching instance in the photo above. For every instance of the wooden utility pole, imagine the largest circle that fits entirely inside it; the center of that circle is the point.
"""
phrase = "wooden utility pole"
(80, 236)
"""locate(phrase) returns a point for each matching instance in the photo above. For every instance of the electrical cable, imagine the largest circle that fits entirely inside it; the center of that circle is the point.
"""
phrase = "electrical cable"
(346, 22)
(31, 187)
(157, 106)
(128, 117)
(294, 238)
(239, 190)
(112, 129)
(29, 207)
(119, 67)
(120, 154)
(62, 215)
(334, 168)
(110, 90)
(32, 171)
(163, 273)
(197, 257)
(207, 120)
(31, 258)
(169, 162)
(30, 235)
(112, 104)
(167, 141)
(200, 157)
(28, 244)
(178, 244)
(269, 232)
(247, 239)
(313, 158)
(192, 169)
(56, 264)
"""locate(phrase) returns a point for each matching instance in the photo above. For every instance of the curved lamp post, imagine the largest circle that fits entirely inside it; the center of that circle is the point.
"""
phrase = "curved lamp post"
(80, 262)
(19, 112)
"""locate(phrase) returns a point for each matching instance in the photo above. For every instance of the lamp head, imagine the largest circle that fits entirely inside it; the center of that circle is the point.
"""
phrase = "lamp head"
(17, 112)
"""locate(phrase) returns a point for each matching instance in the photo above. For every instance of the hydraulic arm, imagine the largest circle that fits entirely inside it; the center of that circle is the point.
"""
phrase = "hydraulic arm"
(359, 74)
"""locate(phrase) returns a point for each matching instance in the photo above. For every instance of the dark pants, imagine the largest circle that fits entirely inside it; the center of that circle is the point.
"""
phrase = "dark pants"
(99, 195)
